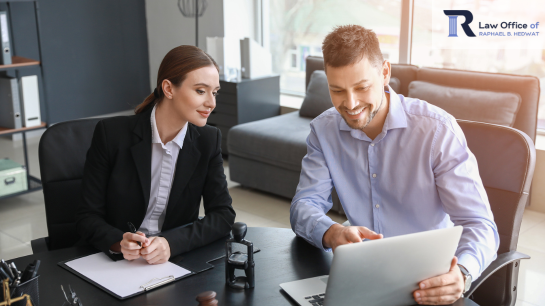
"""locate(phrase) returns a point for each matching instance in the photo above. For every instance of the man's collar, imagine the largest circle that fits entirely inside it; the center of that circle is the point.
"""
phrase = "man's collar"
(396, 117)
(155, 138)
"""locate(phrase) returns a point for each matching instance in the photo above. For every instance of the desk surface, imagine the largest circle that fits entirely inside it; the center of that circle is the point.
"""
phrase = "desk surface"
(282, 258)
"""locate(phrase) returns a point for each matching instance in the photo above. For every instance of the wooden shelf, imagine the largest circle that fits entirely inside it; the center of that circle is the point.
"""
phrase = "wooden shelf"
(7, 131)
(19, 61)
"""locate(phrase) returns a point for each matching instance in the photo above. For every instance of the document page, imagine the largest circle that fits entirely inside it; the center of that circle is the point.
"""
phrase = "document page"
(124, 277)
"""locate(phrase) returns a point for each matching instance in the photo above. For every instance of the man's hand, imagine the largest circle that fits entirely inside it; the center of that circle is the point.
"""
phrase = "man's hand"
(443, 289)
(130, 247)
(157, 251)
(338, 235)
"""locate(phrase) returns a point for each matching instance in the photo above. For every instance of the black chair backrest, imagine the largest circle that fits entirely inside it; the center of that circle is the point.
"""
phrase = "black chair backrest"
(506, 159)
(62, 153)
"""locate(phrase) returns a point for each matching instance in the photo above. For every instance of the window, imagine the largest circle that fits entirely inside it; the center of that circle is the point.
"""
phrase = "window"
(518, 60)
(298, 27)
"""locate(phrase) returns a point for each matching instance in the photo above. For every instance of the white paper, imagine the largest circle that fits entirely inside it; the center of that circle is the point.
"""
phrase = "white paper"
(123, 277)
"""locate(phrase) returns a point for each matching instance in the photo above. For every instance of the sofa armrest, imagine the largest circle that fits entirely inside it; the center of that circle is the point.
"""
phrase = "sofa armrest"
(501, 261)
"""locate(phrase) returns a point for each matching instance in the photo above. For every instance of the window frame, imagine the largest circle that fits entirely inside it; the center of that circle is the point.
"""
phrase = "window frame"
(405, 37)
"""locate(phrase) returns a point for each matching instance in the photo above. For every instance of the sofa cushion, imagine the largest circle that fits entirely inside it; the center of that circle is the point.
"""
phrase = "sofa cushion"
(395, 83)
(527, 87)
(317, 99)
(469, 104)
(405, 74)
(278, 141)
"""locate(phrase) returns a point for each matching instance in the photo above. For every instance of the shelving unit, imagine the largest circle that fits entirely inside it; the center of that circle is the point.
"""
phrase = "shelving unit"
(18, 63)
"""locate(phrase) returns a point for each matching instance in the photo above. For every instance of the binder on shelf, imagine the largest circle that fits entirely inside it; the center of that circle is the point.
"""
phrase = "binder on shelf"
(31, 101)
(5, 59)
(10, 107)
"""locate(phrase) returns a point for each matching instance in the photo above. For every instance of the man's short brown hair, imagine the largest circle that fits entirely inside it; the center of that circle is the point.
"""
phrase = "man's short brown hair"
(348, 44)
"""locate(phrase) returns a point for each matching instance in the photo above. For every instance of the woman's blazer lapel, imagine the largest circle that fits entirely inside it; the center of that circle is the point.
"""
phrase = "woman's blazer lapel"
(188, 159)
(141, 153)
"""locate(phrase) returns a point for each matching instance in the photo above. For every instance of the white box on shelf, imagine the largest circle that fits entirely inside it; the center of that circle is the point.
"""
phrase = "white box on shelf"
(255, 60)
(13, 177)
(31, 101)
(226, 52)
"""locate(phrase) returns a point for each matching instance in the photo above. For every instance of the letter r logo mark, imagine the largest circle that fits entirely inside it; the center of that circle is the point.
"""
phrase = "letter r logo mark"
(453, 24)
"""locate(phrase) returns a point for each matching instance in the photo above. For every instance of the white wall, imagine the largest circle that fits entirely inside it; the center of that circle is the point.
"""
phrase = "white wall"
(168, 28)
(239, 18)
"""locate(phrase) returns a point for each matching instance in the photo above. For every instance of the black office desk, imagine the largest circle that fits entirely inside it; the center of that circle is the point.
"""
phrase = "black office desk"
(282, 258)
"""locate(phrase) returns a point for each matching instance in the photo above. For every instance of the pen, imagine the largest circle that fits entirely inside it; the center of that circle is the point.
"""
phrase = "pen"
(17, 274)
(4, 275)
(7, 269)
(36, 267)
(133, 230)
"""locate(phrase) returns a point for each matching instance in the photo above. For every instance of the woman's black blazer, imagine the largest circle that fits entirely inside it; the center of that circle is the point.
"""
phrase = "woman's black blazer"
(117, 180)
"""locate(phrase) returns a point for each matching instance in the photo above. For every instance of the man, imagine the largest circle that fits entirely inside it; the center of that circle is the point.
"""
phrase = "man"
(399, 165)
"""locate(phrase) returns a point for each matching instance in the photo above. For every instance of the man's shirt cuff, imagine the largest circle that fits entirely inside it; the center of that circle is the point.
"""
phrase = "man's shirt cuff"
(471, 264)
(322, 225)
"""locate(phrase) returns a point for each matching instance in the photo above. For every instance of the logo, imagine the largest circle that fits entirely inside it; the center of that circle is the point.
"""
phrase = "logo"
(453, 23)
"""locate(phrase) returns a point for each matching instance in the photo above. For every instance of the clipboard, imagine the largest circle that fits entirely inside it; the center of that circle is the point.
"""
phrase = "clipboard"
(196, 261)
(150, 284)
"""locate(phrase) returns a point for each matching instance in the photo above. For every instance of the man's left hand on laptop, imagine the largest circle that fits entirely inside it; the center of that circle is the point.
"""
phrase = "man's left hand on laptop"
(442, 289)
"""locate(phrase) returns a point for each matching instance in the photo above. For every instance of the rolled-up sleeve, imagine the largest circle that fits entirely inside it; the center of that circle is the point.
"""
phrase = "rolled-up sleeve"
(464, 198)
(313, 196)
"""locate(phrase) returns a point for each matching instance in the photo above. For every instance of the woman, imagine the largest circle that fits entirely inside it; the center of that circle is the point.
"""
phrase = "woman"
(151, 169)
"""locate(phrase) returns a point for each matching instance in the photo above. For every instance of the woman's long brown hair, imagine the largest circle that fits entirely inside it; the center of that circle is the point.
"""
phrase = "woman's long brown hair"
(175, 66)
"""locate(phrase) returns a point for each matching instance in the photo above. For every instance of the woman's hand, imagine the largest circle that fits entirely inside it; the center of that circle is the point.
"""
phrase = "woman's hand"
(157, 251)
(129, 246)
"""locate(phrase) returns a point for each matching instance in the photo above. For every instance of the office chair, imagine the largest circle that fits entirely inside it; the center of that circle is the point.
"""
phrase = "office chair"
(506, 159)
(62, 153)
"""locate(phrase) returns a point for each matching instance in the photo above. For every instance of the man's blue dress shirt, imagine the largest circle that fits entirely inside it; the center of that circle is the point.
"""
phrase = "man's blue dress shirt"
(416, 175)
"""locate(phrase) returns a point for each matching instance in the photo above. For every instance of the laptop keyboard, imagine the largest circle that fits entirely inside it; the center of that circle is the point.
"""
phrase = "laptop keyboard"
(316, 300)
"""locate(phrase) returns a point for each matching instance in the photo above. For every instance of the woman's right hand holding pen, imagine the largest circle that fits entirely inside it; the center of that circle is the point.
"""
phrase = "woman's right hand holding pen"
(130, 246)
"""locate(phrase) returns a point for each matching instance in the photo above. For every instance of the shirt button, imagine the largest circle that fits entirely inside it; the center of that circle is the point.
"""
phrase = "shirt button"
(377, 206)
(372, 145)
(374, 175)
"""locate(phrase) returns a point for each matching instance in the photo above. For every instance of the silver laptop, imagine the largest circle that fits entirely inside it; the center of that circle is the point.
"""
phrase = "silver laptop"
(379, 272)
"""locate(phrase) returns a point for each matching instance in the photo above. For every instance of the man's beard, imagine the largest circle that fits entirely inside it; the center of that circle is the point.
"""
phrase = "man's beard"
(361, 124)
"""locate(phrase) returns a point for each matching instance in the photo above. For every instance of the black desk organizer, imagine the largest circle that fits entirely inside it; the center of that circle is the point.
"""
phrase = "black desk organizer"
(196, 261)
(29, 287)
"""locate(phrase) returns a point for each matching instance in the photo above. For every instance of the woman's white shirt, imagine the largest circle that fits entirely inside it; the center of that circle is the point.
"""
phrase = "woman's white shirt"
(163, 165)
